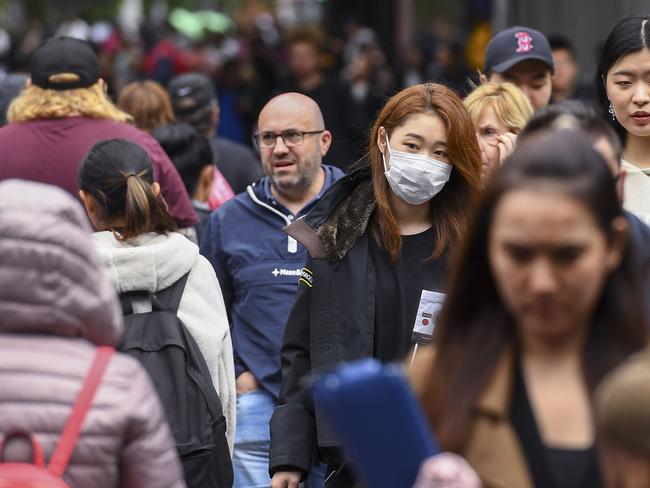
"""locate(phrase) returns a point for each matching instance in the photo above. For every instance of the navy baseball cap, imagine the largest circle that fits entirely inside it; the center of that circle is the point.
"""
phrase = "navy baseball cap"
(191, 92)
(64, 55)
(515, 45)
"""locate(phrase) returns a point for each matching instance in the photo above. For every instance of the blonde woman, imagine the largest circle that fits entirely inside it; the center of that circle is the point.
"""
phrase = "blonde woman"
(499, 111)
(62, 112)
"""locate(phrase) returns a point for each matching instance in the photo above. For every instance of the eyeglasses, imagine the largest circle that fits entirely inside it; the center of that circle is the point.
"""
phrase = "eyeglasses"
(290, 138)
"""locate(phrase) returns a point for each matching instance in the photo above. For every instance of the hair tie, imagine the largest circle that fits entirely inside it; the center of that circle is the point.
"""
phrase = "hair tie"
(141, 174)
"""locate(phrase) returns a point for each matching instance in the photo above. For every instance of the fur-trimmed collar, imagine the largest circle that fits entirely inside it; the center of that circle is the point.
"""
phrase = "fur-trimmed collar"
(348, 222)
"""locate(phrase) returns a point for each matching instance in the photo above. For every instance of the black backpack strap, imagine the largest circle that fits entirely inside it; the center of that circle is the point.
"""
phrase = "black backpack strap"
(170, 297)
(127, 305)
(126, 300)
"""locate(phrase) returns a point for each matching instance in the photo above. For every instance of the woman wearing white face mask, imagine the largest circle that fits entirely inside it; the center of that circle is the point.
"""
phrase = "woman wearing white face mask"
(374, 278)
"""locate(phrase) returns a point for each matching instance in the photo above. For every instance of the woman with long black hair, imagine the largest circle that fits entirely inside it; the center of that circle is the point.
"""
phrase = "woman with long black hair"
(624, 92)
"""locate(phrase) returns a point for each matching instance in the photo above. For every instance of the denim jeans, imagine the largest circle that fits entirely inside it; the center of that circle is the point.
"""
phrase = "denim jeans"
(252, 441)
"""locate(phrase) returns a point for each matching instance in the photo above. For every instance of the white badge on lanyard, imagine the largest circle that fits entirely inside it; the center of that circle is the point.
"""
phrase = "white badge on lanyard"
(425, 321)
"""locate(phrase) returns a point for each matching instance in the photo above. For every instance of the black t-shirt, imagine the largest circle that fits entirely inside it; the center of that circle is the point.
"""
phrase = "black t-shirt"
(548, 466)
(398, 288)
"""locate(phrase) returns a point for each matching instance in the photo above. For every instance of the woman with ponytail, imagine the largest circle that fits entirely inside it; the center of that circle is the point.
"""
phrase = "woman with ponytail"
(136, 241)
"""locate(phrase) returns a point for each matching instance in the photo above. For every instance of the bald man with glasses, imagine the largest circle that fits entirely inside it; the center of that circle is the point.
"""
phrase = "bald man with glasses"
(259, 266)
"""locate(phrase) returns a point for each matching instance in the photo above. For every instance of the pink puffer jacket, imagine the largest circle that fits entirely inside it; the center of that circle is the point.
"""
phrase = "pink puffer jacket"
(56, 306)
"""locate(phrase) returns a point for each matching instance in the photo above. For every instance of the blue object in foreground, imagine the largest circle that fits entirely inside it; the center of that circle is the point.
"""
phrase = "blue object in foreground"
(377, 419)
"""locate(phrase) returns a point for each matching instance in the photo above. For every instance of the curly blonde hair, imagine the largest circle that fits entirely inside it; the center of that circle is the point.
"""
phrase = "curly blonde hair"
(35, 102)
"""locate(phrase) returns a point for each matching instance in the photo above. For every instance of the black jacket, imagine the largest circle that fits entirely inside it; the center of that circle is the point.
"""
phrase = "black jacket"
(332, 320)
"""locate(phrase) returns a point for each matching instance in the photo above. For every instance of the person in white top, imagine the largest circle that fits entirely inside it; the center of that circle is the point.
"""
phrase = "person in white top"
(624, 92)
(141, 252)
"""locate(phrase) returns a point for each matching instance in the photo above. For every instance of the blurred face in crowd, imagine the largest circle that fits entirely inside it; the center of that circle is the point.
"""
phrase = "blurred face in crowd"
(533, 77)
(423, 133)
(565, 70)
(628, 89)
(304, 59)
(550, 260)
(294, 161)
(360, 68)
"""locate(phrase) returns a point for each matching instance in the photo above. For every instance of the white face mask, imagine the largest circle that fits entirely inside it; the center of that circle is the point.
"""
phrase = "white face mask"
(415, 178)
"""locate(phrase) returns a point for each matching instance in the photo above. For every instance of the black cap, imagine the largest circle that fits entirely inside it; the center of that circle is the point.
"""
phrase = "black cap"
(190, 92)
(64, 55)
(515, 45)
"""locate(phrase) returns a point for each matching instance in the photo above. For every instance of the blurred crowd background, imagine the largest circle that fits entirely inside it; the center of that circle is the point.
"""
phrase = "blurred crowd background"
(346, 54)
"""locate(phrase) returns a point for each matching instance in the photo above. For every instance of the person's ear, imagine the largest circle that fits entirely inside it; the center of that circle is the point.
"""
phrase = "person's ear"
(381, 140)
(325, 142)
(206, 178)
(88, 201)
(90, 204)
(103, 85)
(618, 243)
(28, 82)
(204, 183)
(482, 77)
(155, 188)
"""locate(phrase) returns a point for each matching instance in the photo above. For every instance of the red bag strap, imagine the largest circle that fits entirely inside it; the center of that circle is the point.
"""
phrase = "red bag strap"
(84, 400)
(37, 449)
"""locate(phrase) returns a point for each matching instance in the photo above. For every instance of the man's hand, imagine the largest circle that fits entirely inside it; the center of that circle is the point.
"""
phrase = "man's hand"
(286, 479)
(447, 470)
(246, 382)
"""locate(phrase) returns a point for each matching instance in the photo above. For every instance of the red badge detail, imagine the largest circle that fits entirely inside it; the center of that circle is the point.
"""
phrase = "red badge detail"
(524, 42)
(425, 321)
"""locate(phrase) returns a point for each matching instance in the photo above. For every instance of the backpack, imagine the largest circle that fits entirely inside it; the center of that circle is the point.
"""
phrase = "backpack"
(29, 475)
(162, 344)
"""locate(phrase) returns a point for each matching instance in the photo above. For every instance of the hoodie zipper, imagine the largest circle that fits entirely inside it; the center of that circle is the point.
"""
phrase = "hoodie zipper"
(292, 244)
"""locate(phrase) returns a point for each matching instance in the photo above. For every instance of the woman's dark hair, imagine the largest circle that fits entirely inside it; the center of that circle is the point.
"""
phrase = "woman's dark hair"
(630, 35)
(475, 327)
(189, 151)
(574, 115)
(118, 174)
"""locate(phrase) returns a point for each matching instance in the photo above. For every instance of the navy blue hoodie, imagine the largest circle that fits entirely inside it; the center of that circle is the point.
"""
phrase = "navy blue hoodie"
(258, 267)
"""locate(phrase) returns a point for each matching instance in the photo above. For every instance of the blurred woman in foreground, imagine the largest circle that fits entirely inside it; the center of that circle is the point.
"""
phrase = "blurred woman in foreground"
(543, 304)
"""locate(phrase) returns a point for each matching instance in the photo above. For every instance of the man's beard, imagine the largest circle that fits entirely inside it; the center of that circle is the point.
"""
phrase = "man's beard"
(299, 183)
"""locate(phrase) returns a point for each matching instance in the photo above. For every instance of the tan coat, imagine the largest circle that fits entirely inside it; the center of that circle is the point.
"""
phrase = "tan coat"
(492, 448)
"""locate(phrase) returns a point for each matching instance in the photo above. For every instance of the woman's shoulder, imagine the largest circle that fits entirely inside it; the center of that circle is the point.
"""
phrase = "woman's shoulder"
(202, 281)
(629, 167)
(203, 270)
